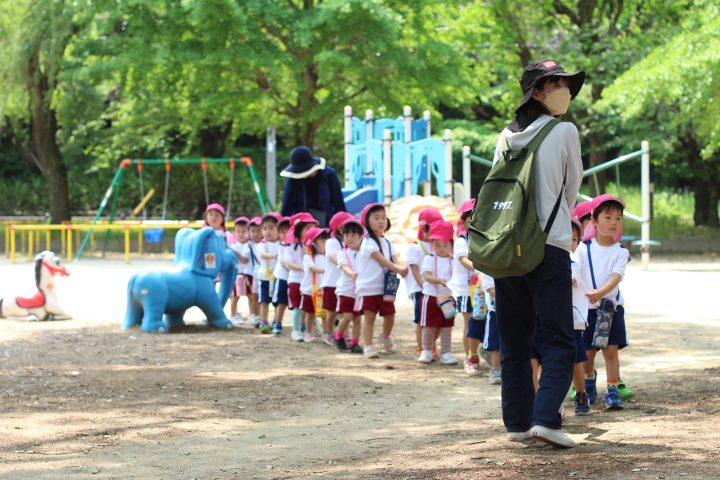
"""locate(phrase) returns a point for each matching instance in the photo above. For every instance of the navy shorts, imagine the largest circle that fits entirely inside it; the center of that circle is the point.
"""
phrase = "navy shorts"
(280, 292)
(464, 304)
(417, 302)
(580, 353)
(618, 334)
(264, 293)
(491, 339)
(476, 329)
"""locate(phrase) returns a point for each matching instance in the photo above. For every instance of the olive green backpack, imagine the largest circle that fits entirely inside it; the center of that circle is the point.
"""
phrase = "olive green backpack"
(505, 235)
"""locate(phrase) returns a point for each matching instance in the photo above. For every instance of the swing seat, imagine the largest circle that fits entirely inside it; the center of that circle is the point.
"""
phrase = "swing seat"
(154, 235)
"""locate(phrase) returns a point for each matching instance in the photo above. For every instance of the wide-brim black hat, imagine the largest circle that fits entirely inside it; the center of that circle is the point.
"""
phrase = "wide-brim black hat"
(302, 163)
(543, 69)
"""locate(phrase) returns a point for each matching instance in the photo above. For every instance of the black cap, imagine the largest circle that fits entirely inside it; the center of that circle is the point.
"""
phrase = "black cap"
(547, 68)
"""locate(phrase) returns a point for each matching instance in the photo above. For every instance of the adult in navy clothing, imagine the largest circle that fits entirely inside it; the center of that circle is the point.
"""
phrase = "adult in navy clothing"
(311, 186)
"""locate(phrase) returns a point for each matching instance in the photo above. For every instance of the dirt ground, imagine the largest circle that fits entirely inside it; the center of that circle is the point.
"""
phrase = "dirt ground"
(85, 399)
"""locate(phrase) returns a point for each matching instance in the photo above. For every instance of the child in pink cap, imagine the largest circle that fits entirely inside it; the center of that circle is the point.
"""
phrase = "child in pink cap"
(240, 289)
(438, 305)
(267, 253)
(329, 280)
(352, 233)
(300, 224)
(314, 265)
(376, 263)
(416, 253)
(251, 262)
(214, 217)
(280, 287)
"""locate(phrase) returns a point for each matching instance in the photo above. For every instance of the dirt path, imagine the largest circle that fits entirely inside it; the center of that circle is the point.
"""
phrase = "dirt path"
(85, 399)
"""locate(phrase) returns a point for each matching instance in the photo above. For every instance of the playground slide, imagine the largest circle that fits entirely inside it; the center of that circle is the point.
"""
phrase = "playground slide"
(355, 200)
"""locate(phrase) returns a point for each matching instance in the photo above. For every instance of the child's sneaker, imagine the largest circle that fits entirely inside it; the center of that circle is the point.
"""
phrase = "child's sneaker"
(486, 355)
(495, 376)
(572, 392)
(472, 366)
(448, 358)
(612, 399)
(425, 356)
(277, 329)
(309, 337)
(388, 344)
(626, 393)
(518, 436)
(329, 339)
(296, 336)
(582, 407)
(256, 320)
(341, 344)
(264, 327)
(591, 388)
(356, 348)
(237, 320)
(371, 352)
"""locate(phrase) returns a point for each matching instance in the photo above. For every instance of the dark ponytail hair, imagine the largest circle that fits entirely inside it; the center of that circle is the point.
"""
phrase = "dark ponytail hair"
(322, 236)
(296, 233)
(370, 233)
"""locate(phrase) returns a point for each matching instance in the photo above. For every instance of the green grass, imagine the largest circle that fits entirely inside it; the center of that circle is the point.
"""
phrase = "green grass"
(672, 212)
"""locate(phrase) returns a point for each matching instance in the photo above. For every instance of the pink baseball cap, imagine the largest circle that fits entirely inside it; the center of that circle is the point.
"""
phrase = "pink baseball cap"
(582, 209)
(215, 206)
(338, 220)
(302, 217)
(312, 235)
(255, 221)
(242, 220)
(366, 209)
(442, 230)
(605, 197)
(284, 220)
(466, 206)
(427, 216)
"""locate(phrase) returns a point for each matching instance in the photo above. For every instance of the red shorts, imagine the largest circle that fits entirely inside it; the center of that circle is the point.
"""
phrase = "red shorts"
(375, 304)
(241, 287)
(294, 295)
(306, 304)
(431, 315)
(347, 305)
(329, 301)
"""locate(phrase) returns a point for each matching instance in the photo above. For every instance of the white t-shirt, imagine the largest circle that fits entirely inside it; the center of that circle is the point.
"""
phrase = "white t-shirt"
(306, 286)
(439, 267)
(488, 282)
(294, 254)
(238, 247)
(249, 251)
(579, 299)
(345, 284)
(460, 281)
(415, 256)
(332, 272)
(267, 266)
(371, 275)
(280, 271)
(605, 261)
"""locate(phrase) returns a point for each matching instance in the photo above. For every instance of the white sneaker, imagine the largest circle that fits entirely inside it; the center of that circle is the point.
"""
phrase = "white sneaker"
(309, 337)
(448, 358)
(518, 436)
(256, 320)
(425, 356)
(495, 376)
(472, 369)
(237, 320)
(370, 351)
(296, 336)
(329, 339)
(562, 414)
(388, 344)
(552, 436)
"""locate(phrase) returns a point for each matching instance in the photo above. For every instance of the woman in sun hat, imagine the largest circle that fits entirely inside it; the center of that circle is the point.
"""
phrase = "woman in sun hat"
(312, 186)
(545, 292)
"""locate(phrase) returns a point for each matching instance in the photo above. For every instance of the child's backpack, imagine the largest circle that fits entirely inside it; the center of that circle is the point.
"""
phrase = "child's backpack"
(505, 235)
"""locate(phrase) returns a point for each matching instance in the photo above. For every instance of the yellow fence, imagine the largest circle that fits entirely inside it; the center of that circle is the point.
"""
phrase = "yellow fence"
(31, 235)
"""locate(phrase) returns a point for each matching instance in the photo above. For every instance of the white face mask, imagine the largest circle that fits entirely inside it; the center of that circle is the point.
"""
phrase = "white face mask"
(557, 102)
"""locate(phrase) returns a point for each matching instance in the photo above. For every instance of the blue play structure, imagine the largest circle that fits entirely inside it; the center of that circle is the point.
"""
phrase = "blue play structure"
(400, 149)
(200, 256)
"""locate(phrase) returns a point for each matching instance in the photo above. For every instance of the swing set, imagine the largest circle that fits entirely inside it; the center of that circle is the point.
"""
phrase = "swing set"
(155, 235)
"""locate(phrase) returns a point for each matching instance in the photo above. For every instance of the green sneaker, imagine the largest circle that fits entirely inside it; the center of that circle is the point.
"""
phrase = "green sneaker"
(626, 392)
(572, 392)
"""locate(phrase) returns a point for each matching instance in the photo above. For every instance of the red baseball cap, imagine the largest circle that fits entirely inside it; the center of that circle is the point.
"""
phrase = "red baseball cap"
(466, 206)
(427, 216)
(338, 220)
(302, 217)
(582, 209)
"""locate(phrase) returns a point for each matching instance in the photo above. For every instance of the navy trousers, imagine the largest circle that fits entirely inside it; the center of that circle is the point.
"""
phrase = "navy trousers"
(547, 293)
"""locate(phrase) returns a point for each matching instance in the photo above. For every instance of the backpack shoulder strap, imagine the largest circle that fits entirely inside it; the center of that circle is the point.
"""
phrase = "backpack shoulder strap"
(540, 136)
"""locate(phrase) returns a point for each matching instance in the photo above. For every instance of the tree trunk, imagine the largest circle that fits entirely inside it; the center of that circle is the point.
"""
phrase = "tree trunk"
(597, 156)
(214, 139)
(44, 131)
(704, 181)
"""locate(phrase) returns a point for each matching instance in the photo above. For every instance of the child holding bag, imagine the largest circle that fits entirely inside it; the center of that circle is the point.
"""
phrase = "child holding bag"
(438, 305)
(377, 280)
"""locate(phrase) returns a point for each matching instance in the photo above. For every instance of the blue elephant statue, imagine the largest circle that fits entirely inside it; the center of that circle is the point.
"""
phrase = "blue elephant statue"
(200, 256)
